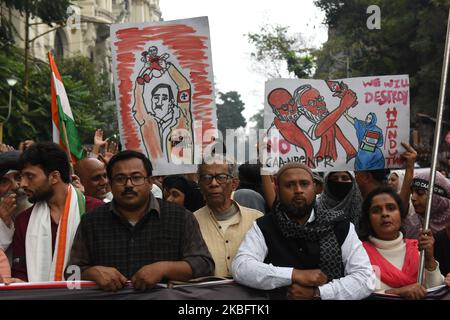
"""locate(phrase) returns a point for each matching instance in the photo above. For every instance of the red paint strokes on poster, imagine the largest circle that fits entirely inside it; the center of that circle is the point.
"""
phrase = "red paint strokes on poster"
(190, 51)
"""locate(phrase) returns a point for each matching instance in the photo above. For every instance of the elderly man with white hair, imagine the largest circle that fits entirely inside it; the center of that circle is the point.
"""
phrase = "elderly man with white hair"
(223, 222)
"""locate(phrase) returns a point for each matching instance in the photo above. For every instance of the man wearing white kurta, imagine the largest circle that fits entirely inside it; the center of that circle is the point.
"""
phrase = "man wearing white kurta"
(300, 251)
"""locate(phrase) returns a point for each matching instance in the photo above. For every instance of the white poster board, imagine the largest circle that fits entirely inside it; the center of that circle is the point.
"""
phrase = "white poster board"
(333, 125)
(164, 90)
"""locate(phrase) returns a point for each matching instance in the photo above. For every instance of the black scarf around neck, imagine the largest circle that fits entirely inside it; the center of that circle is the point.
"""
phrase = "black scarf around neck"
(321, 230)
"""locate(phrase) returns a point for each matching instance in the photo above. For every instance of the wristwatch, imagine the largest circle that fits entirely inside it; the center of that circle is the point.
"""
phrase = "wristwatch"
(316, 294)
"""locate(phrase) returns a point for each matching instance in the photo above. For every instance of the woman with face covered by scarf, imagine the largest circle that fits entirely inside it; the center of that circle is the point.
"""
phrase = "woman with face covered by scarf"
(184, 192)
(341, 192)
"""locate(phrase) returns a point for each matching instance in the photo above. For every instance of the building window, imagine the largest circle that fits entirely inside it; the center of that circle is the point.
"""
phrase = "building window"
(59, 46)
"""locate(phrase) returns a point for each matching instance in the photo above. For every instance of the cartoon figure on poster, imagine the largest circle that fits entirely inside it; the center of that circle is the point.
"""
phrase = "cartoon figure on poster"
(370, 140)
(168, 123)
(305, 116)
(165, 91)
(333, 125)
(154, 66)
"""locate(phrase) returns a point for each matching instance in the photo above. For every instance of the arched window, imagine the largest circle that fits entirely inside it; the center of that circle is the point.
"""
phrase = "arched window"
(60, 44)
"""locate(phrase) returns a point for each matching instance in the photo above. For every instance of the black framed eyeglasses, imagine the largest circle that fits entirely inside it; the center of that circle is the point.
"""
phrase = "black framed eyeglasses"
(220, 178)
(135, 180)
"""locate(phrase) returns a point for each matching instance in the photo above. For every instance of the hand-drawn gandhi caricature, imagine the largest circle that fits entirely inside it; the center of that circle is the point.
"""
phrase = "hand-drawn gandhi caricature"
(304, 117)
(370, 139)
(165, 121)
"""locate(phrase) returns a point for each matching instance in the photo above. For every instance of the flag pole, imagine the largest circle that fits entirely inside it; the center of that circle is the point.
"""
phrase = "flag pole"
(437, 136)
(66, 141)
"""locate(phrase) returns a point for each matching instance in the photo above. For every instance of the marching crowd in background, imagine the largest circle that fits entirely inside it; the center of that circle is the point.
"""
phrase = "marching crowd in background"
(298, 234)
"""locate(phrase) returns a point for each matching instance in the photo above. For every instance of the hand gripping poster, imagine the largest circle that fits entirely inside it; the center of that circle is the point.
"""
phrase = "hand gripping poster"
(164, 90)
(331, 125)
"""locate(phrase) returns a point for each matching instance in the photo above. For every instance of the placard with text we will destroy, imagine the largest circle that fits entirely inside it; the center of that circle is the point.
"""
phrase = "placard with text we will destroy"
(345, 124)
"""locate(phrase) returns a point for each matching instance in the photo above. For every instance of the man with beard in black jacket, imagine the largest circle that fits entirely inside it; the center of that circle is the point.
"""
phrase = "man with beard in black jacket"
(303, 252)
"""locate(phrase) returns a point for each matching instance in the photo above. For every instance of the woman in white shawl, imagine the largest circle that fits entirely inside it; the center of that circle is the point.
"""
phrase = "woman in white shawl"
(395, 180)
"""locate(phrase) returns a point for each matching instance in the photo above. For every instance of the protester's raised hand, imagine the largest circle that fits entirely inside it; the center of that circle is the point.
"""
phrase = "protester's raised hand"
(102, 159)
(5, 148)
(7, 207)
(111, 148)
(98, 138)
(108, 279)
(25, 144)
(310, 278)
(76, 182)
(409, 155)
(148, 276)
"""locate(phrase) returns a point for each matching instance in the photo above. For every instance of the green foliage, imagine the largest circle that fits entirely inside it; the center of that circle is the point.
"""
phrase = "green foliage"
(276, 49)
(258, 118)
(23, 125)
(410, 41)
(6, 31)
(96, 105)
(49, 11)
(229, 111)
(36, 123)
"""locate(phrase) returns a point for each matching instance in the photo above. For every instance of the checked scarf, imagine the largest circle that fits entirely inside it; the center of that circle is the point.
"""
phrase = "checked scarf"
(321, 230)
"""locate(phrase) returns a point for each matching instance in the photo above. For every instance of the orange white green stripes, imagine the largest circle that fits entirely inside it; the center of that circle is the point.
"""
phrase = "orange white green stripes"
(62, 239)
(63, 124)
(43, 262)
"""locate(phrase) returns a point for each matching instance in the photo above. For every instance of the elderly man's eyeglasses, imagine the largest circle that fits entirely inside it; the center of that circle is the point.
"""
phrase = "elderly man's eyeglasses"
(135, 180)
(220, 178)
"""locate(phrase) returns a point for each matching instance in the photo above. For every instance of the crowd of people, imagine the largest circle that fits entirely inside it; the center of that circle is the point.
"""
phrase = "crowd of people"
(297, 234)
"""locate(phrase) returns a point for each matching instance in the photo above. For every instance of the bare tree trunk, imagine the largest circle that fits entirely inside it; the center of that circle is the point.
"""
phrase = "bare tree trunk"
(27, 49)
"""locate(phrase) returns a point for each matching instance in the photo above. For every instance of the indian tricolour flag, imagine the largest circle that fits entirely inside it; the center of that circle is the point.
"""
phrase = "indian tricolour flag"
(64, 130)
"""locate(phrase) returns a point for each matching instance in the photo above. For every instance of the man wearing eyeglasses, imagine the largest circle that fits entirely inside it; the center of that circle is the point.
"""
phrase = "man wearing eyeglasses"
(137, 237)
(223, 222)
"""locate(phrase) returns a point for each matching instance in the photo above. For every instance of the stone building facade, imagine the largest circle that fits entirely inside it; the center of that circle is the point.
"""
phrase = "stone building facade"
(87, 33)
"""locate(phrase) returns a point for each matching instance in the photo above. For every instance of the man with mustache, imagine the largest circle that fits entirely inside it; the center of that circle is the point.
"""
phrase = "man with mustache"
(137, 237)
(12, 202)
(13, 199)
(165, 120)
(223, 222)
(301, 252)
(44, 232)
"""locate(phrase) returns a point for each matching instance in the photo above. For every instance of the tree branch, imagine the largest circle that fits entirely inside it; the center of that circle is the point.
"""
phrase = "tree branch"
(43, 34)
(37, 23)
